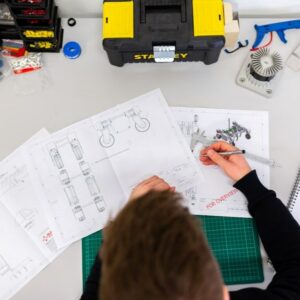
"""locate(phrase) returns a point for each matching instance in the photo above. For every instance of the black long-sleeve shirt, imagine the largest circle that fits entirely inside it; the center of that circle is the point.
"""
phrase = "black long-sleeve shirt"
(279, 233)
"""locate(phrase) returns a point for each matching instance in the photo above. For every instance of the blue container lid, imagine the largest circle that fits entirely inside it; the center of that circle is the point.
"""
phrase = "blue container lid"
(72, 50)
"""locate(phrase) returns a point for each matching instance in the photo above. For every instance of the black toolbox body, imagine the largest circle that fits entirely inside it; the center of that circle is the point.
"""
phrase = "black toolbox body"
(163, 23)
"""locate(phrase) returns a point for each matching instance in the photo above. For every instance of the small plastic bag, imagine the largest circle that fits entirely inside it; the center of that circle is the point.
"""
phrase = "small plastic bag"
(19, 59)
(32, 82)
(27, 63)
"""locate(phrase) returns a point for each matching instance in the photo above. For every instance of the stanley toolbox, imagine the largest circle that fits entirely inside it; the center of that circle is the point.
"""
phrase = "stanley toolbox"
(163, 30)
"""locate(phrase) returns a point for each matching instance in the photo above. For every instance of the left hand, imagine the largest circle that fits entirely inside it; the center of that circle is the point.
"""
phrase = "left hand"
(153, 183)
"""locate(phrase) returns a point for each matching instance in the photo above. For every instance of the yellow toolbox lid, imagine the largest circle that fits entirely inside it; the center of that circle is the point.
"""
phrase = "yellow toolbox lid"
(118, 19)
(208, 17)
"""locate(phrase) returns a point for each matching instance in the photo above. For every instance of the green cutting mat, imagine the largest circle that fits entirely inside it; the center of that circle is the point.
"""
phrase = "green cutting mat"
(234, 242)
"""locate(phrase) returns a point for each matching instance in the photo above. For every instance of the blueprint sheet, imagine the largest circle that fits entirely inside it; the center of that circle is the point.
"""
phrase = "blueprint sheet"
(87, 171)
(26, 241)
(247, 130)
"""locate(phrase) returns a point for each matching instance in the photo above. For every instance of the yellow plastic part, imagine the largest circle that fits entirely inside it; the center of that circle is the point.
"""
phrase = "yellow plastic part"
(208, 17)
(118, 19)
(38, 34)
(41, 45)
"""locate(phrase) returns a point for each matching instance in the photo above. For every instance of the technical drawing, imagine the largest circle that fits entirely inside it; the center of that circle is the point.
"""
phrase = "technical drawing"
(55, 156)
(100, 204)
(13, 179)
(4, 266)
(106, 139)
(188, 128)
(25, 217)
(85, 168)
(95, 191)
(180, 174)
(192, 129)
(64, 177)
(92, 185)
(22, 268)
(71, 195)
(120, 123)
(14, 272)
(76, 146)
(74, 203)
(199, 137)
(78, 213)
(141, 124)
(190, 195)
(48, 240)
(51, 245)
(233, 133)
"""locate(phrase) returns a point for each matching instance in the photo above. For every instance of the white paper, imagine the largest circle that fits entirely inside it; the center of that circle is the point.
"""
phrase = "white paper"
(26, 241)
(221, 198)
(87, 171)
(20, 259)
(18, 196)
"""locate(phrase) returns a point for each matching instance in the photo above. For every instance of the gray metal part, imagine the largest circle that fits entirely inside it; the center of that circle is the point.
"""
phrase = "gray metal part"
(164, 53)
(246, 80)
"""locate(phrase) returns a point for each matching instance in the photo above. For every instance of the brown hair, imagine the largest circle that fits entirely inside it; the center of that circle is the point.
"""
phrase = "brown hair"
(155, 250)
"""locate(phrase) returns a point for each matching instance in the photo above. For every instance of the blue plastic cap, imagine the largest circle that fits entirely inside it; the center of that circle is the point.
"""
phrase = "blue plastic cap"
(72, 50)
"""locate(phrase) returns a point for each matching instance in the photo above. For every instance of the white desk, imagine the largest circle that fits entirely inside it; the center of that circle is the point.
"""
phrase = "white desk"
(81, 88)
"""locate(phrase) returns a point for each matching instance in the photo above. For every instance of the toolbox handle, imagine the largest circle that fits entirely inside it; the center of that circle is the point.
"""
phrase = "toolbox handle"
(168, 6)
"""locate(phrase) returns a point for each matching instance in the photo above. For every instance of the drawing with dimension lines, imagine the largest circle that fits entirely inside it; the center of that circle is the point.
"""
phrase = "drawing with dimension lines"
(247, 130)
(108, 129)
(233, 133)
(27, 241)
(86, 171)
(20, 258)
(71, 142)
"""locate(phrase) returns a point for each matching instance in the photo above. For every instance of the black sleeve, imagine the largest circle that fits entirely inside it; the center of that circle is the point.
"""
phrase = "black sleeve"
(92, 285)
(280, 235)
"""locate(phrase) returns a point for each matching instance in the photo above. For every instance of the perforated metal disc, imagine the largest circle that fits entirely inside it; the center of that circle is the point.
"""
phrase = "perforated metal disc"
(266, 64)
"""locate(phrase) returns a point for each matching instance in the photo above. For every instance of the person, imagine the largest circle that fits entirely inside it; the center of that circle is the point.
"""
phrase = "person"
(155, 250)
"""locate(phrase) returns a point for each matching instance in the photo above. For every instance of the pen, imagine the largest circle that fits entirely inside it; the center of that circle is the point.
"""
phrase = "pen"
(228, 153)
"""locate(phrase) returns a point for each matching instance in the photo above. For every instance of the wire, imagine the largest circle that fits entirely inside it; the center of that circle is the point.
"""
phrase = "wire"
(266, 45)
(240, 45)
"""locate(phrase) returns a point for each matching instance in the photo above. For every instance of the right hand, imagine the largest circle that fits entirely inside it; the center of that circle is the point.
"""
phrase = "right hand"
(235, 166)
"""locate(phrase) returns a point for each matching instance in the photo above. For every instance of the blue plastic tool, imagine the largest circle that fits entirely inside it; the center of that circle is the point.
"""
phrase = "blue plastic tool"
(72, 50)
(280, 28)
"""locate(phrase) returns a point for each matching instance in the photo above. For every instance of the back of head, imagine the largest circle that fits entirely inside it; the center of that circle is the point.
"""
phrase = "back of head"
(155, 250)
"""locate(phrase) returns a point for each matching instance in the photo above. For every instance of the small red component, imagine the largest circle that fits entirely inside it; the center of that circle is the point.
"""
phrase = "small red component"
(30, 1)
(33, 12)
(33, 22)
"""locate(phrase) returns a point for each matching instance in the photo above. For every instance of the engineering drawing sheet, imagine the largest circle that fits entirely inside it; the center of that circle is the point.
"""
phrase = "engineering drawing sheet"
(87, 171)
(247, 130)
(27, 243)
(20, 258)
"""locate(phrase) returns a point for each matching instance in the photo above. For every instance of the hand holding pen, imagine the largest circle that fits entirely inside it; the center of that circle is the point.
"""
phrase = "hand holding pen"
(229, 158)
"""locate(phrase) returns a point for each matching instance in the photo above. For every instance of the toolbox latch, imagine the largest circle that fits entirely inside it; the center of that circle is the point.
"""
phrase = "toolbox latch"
(164, 53)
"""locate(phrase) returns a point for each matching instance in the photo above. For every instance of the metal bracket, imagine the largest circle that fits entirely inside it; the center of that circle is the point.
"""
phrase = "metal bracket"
(164, 53)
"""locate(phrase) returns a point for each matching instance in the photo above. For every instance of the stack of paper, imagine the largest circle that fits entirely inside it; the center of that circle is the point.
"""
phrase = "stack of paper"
(247, 130)
(59, 188)
(26, 238)
(86, 172)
